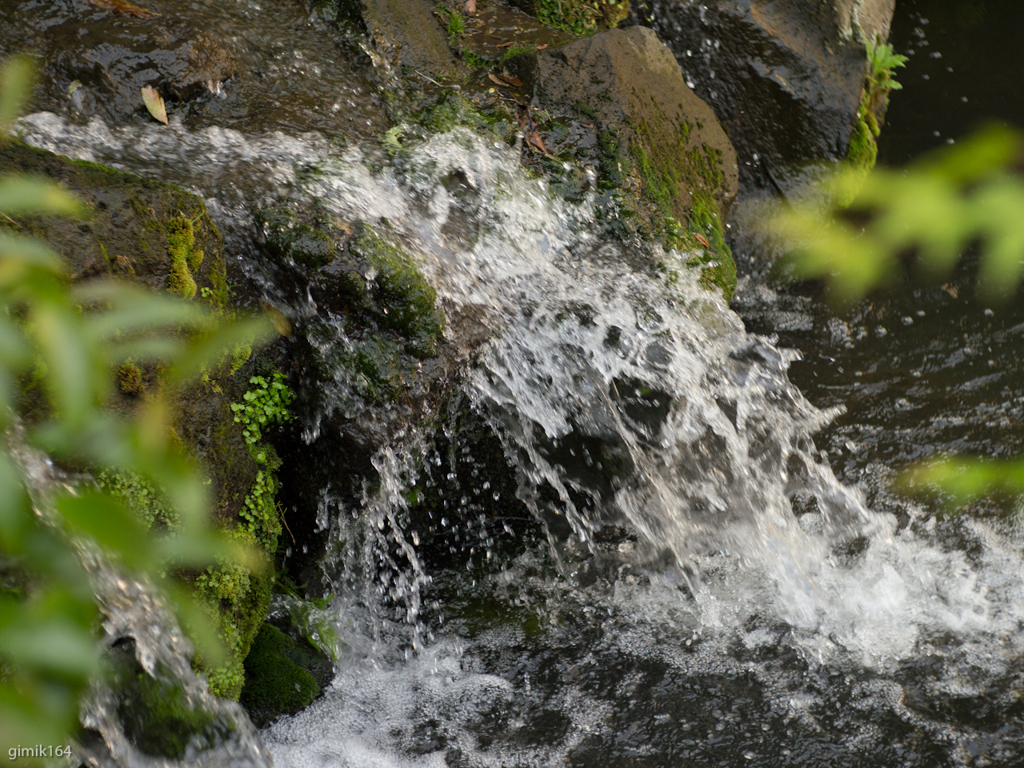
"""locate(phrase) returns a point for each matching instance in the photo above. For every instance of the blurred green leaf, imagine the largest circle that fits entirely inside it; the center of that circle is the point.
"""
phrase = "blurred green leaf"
(15, 509)
(24, 194)
(72, 379)
(107, 522)
(132, 310)
(16, 77)
(56, 646)
(26, 260)
(212, 349)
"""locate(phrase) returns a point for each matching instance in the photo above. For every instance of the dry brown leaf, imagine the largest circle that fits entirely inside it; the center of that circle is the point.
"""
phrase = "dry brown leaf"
(154, 103)
(505, 45)
(542, 46)
(534, 139)
(281, 324)
(701, 239)
(470, 7)
(507, 79)
(124, 7)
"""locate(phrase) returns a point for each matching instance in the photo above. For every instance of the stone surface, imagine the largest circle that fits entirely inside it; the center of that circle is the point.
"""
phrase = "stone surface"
(408, 33)
(784, 76)
(131, 223)
(99, 60)
(658, 141)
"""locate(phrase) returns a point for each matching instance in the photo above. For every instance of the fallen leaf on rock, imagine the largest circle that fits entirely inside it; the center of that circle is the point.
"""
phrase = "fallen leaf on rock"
(503, 79)
(74, 86)
(534, 139)
(281, 323)
(701, 239)
(542, 46)
(154, 103)
(123, 6)
(505, 45)
(470, 7)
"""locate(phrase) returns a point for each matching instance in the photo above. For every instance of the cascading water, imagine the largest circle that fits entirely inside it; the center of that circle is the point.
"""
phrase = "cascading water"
(707, 591)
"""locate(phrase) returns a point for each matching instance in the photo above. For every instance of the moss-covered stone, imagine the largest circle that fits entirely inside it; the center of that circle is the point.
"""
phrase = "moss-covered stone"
(287, 238)
(159, 718)
(658, 145)
(153, 233)
(407, 300)
(277, 682)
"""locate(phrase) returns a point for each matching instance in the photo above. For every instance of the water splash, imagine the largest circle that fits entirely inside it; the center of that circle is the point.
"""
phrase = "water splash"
(624, 396)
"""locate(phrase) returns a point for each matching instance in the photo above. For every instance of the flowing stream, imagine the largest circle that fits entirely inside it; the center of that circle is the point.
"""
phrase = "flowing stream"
(692, 585)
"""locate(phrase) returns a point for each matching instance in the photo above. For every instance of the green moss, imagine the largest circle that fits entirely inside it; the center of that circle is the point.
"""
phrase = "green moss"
(129, 379)
(406, 298)
(160, 718)
(142, 498)
(613, 162)
(236, 600)
(452, 108)
(862, 151)
(181, 241)
(275, 683)
(666, 165)
(580, 17)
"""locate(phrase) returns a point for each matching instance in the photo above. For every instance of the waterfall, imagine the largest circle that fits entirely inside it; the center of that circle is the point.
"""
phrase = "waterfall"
(703, 584)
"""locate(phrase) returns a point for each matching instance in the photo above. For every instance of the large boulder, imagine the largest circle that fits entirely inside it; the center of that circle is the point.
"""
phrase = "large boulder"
(659, 142)
(784, 76)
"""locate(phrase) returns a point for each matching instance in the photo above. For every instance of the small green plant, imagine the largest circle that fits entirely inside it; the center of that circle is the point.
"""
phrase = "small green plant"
(474, 61)
(454, 22)
(514, 51)
(266, 403)
(882, 63)
(862, 150)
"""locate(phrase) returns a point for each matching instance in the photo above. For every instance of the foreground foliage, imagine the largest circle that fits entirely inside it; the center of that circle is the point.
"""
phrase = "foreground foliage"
(921, 220)
(61, 350)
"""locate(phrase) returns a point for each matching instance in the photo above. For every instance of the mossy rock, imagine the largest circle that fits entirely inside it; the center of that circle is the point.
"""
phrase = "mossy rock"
(287, 238)
(406, 299)
(658, 144)
(157, 715)
(278, 681)
(150, 232)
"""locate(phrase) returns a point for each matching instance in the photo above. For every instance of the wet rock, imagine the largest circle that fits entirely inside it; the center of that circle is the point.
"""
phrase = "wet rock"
(158, 716)
(100, 60)
(282, 676)
(284, 237)
(785, 78)
(408, 33)
(147, 231)
(656, 139)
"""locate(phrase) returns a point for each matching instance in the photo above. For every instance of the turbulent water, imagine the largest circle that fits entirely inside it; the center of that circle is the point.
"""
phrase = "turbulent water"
(703, 591)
